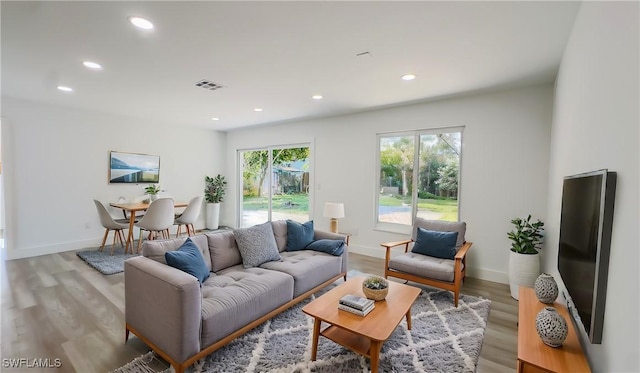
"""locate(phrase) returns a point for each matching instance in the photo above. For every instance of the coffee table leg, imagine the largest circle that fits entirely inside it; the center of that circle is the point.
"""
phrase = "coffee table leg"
(316, 333)
(374, 353)
(409, 319)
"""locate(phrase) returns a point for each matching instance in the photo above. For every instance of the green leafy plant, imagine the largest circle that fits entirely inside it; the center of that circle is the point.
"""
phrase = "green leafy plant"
(376, 283)
(215, 188)
(526, 237)
(152, 189)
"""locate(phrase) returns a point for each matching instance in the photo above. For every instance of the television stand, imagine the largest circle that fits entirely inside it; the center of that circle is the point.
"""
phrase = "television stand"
(533, 354)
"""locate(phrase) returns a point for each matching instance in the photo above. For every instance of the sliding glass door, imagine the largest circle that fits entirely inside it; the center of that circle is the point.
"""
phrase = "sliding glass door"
(275, 184)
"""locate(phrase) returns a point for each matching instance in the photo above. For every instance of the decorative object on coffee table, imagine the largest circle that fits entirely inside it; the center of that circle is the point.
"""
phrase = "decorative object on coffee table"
(546, 288)
(551, 326)
(375, 287)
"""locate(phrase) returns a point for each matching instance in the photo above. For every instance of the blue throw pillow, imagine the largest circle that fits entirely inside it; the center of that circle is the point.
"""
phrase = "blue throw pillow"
(188, 259)
(333, 247)
(299, 235)
(434, 243)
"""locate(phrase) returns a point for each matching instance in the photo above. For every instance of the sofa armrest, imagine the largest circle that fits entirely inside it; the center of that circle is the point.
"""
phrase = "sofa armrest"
(163, 306)
(324, 235)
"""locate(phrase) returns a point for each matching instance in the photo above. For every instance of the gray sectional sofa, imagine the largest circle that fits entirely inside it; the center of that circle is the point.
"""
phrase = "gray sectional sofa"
(183, 320)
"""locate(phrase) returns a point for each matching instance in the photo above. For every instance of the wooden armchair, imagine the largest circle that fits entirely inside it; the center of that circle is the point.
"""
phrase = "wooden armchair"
(443, 273)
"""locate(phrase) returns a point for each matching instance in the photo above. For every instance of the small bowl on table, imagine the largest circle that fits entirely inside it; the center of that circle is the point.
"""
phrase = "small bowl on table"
(375, 288)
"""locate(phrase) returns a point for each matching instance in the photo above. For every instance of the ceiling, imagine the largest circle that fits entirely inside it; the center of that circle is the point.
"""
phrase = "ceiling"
(273, 55)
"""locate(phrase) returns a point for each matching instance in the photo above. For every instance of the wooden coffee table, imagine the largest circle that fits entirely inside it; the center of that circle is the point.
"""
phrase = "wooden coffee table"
(363, 335)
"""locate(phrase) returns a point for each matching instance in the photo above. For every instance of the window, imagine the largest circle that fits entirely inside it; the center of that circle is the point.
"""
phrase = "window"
(275, 184)
(419, 174)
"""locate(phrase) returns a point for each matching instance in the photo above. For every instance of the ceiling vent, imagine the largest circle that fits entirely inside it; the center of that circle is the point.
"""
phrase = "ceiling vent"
(207, 84)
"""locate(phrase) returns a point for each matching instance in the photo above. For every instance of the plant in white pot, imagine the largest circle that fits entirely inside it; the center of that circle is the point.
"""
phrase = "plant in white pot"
(524, 261)
(152, 190)
(214, 192)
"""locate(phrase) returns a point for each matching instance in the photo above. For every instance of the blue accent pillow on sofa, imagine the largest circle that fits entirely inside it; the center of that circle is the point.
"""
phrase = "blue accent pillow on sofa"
(333, 247)
(434, 243)
(188, 259)
(299, 235)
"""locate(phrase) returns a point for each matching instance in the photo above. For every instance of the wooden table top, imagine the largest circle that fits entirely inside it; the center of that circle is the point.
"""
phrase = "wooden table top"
(139, 206)
(379, 323)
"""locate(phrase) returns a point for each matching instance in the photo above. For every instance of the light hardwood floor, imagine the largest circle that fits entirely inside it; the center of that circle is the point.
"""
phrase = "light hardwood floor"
(56, 306)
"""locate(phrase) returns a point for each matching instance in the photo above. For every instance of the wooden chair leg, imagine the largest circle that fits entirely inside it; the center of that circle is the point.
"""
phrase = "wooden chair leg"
(193, 231)
(104, 239)
(139, 241)
(178, 231)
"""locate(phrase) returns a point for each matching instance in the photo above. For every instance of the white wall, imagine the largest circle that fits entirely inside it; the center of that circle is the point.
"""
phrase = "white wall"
(56, 161)
(504, 166)
(595, 126)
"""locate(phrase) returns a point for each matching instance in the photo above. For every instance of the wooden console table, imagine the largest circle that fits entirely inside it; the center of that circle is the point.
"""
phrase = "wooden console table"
(533, 354)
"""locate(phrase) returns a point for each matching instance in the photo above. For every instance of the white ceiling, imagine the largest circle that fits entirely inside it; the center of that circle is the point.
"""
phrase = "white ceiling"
(273, 55)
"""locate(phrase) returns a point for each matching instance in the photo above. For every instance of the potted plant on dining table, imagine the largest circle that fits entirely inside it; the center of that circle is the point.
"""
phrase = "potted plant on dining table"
(152, 190)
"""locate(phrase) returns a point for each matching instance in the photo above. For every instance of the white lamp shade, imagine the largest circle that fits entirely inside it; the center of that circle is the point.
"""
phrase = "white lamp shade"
(333, 210)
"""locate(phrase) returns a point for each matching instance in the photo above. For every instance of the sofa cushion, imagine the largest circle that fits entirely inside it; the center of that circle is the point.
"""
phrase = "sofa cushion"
(424, 266)
(237, 296)
(435, 243)
(257, 245)
(299, 235)
(188, 259)
(307, 267)
(333, 247)
(224, 250)
(155, 249)
(280, 233)
(442, 226)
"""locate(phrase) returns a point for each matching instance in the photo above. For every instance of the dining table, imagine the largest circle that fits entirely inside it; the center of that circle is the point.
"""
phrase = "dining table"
(133, 208)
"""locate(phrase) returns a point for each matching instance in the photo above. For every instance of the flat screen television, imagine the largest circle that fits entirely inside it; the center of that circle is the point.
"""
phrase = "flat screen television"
(133, 168)
(585, 240)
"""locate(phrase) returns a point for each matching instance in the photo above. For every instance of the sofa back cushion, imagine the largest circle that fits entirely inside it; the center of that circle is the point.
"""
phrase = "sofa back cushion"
(155, 249)
(224, 250)
(280, 233)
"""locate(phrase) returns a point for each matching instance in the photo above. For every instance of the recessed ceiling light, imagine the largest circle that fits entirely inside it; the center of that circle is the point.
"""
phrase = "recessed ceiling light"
(257, 109)
(215, 118)
(317, 97)
(92, 65)
(408, 77)
(65, 88)
(142, 23)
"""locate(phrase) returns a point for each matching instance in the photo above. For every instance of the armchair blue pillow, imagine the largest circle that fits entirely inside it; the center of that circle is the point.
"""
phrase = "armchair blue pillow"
(299, 235)
(188, 259)
(435, 243)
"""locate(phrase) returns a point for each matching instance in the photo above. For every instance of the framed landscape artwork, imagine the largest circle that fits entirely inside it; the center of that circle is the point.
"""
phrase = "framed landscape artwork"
(133, 168)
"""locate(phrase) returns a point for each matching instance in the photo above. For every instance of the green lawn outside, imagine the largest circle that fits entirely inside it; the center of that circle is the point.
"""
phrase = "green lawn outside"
(281, 202)
(447, 207)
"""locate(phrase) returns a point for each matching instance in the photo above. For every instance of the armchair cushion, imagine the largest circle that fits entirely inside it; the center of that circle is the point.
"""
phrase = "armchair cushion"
(424, 266)
(299, 235)
(441, 226)
(188, 259)
(434, 243)
(257, 245)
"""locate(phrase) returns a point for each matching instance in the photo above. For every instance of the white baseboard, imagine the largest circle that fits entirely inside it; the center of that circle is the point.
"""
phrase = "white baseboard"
(50, 249)
(480, 273)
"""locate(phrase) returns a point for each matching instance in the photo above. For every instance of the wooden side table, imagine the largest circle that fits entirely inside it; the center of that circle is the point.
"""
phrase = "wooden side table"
(533, 354)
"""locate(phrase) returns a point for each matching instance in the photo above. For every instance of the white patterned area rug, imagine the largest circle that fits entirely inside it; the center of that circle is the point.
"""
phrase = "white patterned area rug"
(443, 338)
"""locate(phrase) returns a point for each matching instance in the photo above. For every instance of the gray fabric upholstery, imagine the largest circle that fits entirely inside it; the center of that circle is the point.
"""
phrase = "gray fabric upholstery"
(424, 266)
(237, 296)
(308, 268)
(441, 226)
(280, 233)
(324, 235)
(224, 250)
(155, 249)
(163, 304)
(257, 245)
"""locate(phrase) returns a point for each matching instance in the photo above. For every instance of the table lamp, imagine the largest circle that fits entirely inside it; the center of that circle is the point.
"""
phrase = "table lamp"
(334, 211)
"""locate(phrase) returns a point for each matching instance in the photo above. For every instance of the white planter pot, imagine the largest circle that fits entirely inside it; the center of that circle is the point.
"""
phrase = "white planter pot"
(213, 215)
(524, 269)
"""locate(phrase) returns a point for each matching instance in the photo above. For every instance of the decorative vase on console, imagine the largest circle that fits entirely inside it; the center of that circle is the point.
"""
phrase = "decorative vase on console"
(546, 288)
(551, 326)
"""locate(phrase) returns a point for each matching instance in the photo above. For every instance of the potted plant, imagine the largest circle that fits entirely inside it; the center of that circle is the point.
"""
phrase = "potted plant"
(214, 192)
(375, 287)
(152, 190)
(524, 261)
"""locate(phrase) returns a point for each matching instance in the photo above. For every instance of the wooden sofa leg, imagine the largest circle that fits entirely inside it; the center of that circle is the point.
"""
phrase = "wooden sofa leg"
(126, 334)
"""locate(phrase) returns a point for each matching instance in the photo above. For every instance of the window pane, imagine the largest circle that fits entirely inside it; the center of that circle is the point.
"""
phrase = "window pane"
(396, 174)
(290, 180)
(438, 176)
(255, 188)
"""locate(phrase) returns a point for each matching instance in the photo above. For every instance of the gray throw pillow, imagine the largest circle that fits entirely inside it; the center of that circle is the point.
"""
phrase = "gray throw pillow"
(257, 245)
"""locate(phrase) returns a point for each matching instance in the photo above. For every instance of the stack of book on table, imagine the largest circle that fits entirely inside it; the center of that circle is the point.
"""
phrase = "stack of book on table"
(356, 305)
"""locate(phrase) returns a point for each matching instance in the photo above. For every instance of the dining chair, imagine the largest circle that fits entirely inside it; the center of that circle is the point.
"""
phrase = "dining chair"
(189, 216)
(158, 218)
(110, 224)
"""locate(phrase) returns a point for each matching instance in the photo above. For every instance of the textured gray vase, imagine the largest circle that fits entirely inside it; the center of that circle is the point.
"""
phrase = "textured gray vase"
(551, 326)
(546, 288)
